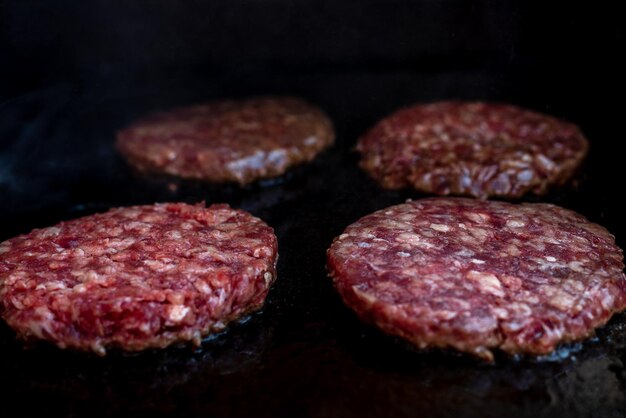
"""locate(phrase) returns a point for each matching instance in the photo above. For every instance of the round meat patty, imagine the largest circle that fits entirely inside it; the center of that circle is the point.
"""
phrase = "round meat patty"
(473, 149)
(228, 141)
(137, 277)
(477, 275)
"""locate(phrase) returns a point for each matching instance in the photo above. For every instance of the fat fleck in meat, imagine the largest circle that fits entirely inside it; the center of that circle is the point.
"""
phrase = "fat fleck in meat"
(136, 277)
(476, 275)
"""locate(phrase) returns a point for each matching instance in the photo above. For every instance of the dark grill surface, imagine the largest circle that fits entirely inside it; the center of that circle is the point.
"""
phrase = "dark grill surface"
(304, 354)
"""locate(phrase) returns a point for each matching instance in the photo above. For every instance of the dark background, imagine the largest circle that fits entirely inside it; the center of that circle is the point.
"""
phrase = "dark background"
(565, 46)
(74, 72)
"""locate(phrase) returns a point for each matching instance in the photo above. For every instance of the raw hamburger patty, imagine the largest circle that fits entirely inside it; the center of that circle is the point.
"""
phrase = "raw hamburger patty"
(137, 277)
(478, 275)
(474, 149)
(228, 141)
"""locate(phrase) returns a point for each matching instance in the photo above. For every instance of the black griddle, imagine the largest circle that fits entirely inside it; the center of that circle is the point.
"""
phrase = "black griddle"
(304, 354)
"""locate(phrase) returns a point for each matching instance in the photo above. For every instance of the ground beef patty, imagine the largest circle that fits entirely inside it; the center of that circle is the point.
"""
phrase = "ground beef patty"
(473, 149)
(477, 275)
(137, 277)
(228, 141)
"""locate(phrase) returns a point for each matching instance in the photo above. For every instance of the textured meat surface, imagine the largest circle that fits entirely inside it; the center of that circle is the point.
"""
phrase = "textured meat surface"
(228, 141)
(475, 149)
(475, 275)
(136, 277)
